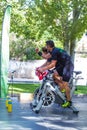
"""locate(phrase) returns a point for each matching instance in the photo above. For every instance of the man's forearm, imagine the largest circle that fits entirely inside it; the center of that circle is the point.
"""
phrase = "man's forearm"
(49, 66)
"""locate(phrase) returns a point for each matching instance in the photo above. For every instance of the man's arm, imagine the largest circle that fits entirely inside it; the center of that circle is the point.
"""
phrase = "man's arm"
(46, 56)
(48, 66)
(51, 65)
(43, 55)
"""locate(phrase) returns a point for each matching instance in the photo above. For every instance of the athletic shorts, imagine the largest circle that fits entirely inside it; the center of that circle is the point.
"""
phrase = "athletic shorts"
(66, 71)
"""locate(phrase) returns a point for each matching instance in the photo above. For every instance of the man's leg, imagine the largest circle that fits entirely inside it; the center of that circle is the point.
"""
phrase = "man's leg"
(68, 98)
(67, 72)
(67, 90)
(63, 87)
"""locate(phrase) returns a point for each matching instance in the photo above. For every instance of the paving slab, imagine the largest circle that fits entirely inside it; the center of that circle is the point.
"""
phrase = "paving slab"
(49, 118)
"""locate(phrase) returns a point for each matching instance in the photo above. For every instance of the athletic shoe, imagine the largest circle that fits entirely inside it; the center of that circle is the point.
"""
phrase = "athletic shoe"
(66, 104)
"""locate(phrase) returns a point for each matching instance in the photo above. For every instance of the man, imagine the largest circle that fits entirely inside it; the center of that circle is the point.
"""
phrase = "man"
(64, 66)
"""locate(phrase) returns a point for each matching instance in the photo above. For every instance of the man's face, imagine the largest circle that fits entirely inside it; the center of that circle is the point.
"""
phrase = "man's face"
(48, 48)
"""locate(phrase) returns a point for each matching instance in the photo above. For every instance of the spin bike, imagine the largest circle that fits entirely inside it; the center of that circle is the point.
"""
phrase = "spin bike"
(49, 92)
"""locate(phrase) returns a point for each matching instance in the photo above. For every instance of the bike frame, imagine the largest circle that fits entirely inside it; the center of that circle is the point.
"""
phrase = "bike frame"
(48, 86)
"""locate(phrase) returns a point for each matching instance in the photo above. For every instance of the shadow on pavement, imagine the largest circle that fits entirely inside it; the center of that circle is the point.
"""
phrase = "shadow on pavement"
(49, 118)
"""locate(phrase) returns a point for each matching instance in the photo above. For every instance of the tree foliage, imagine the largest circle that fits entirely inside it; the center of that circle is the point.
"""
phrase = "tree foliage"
(35, 21)
(65, 20)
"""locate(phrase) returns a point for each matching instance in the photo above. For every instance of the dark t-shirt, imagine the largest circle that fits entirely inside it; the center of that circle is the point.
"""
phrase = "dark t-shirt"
(61, 56)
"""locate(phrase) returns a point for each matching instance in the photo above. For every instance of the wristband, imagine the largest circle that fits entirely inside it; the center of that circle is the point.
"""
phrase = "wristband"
(40, 53)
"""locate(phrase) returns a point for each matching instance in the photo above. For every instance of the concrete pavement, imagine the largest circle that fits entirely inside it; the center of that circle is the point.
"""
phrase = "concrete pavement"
(49, 118)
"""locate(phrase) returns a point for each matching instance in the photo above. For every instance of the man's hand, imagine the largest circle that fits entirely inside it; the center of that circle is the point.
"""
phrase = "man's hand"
(37, 50)
(41, 69)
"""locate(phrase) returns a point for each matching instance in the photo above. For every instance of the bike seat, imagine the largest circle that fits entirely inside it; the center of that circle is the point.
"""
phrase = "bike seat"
(77, 72)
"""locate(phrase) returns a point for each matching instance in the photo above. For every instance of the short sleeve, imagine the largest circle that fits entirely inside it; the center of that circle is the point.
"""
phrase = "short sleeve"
(55, 54)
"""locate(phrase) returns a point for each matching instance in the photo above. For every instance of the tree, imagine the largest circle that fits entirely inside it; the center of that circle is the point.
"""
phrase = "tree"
(65, 20)
(20, 42)
(33, 21)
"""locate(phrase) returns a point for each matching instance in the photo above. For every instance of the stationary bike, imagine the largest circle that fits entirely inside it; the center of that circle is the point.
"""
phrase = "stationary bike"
(49, 92)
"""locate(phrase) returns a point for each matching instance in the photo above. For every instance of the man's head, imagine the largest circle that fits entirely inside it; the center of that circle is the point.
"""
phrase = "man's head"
(50, 45)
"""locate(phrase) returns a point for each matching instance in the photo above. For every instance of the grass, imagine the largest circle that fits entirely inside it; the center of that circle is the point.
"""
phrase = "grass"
(81, 90)
(30, 88)
(22, 88)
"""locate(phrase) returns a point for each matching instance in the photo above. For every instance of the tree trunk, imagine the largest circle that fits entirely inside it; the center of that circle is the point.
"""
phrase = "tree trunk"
(72, 48)
(66, 46)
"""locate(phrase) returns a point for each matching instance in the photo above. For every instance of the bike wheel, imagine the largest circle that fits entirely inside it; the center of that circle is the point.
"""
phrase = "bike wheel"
(49, 99)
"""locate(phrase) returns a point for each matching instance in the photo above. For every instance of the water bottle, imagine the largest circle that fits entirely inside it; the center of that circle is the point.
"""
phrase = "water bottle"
(10, 105)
